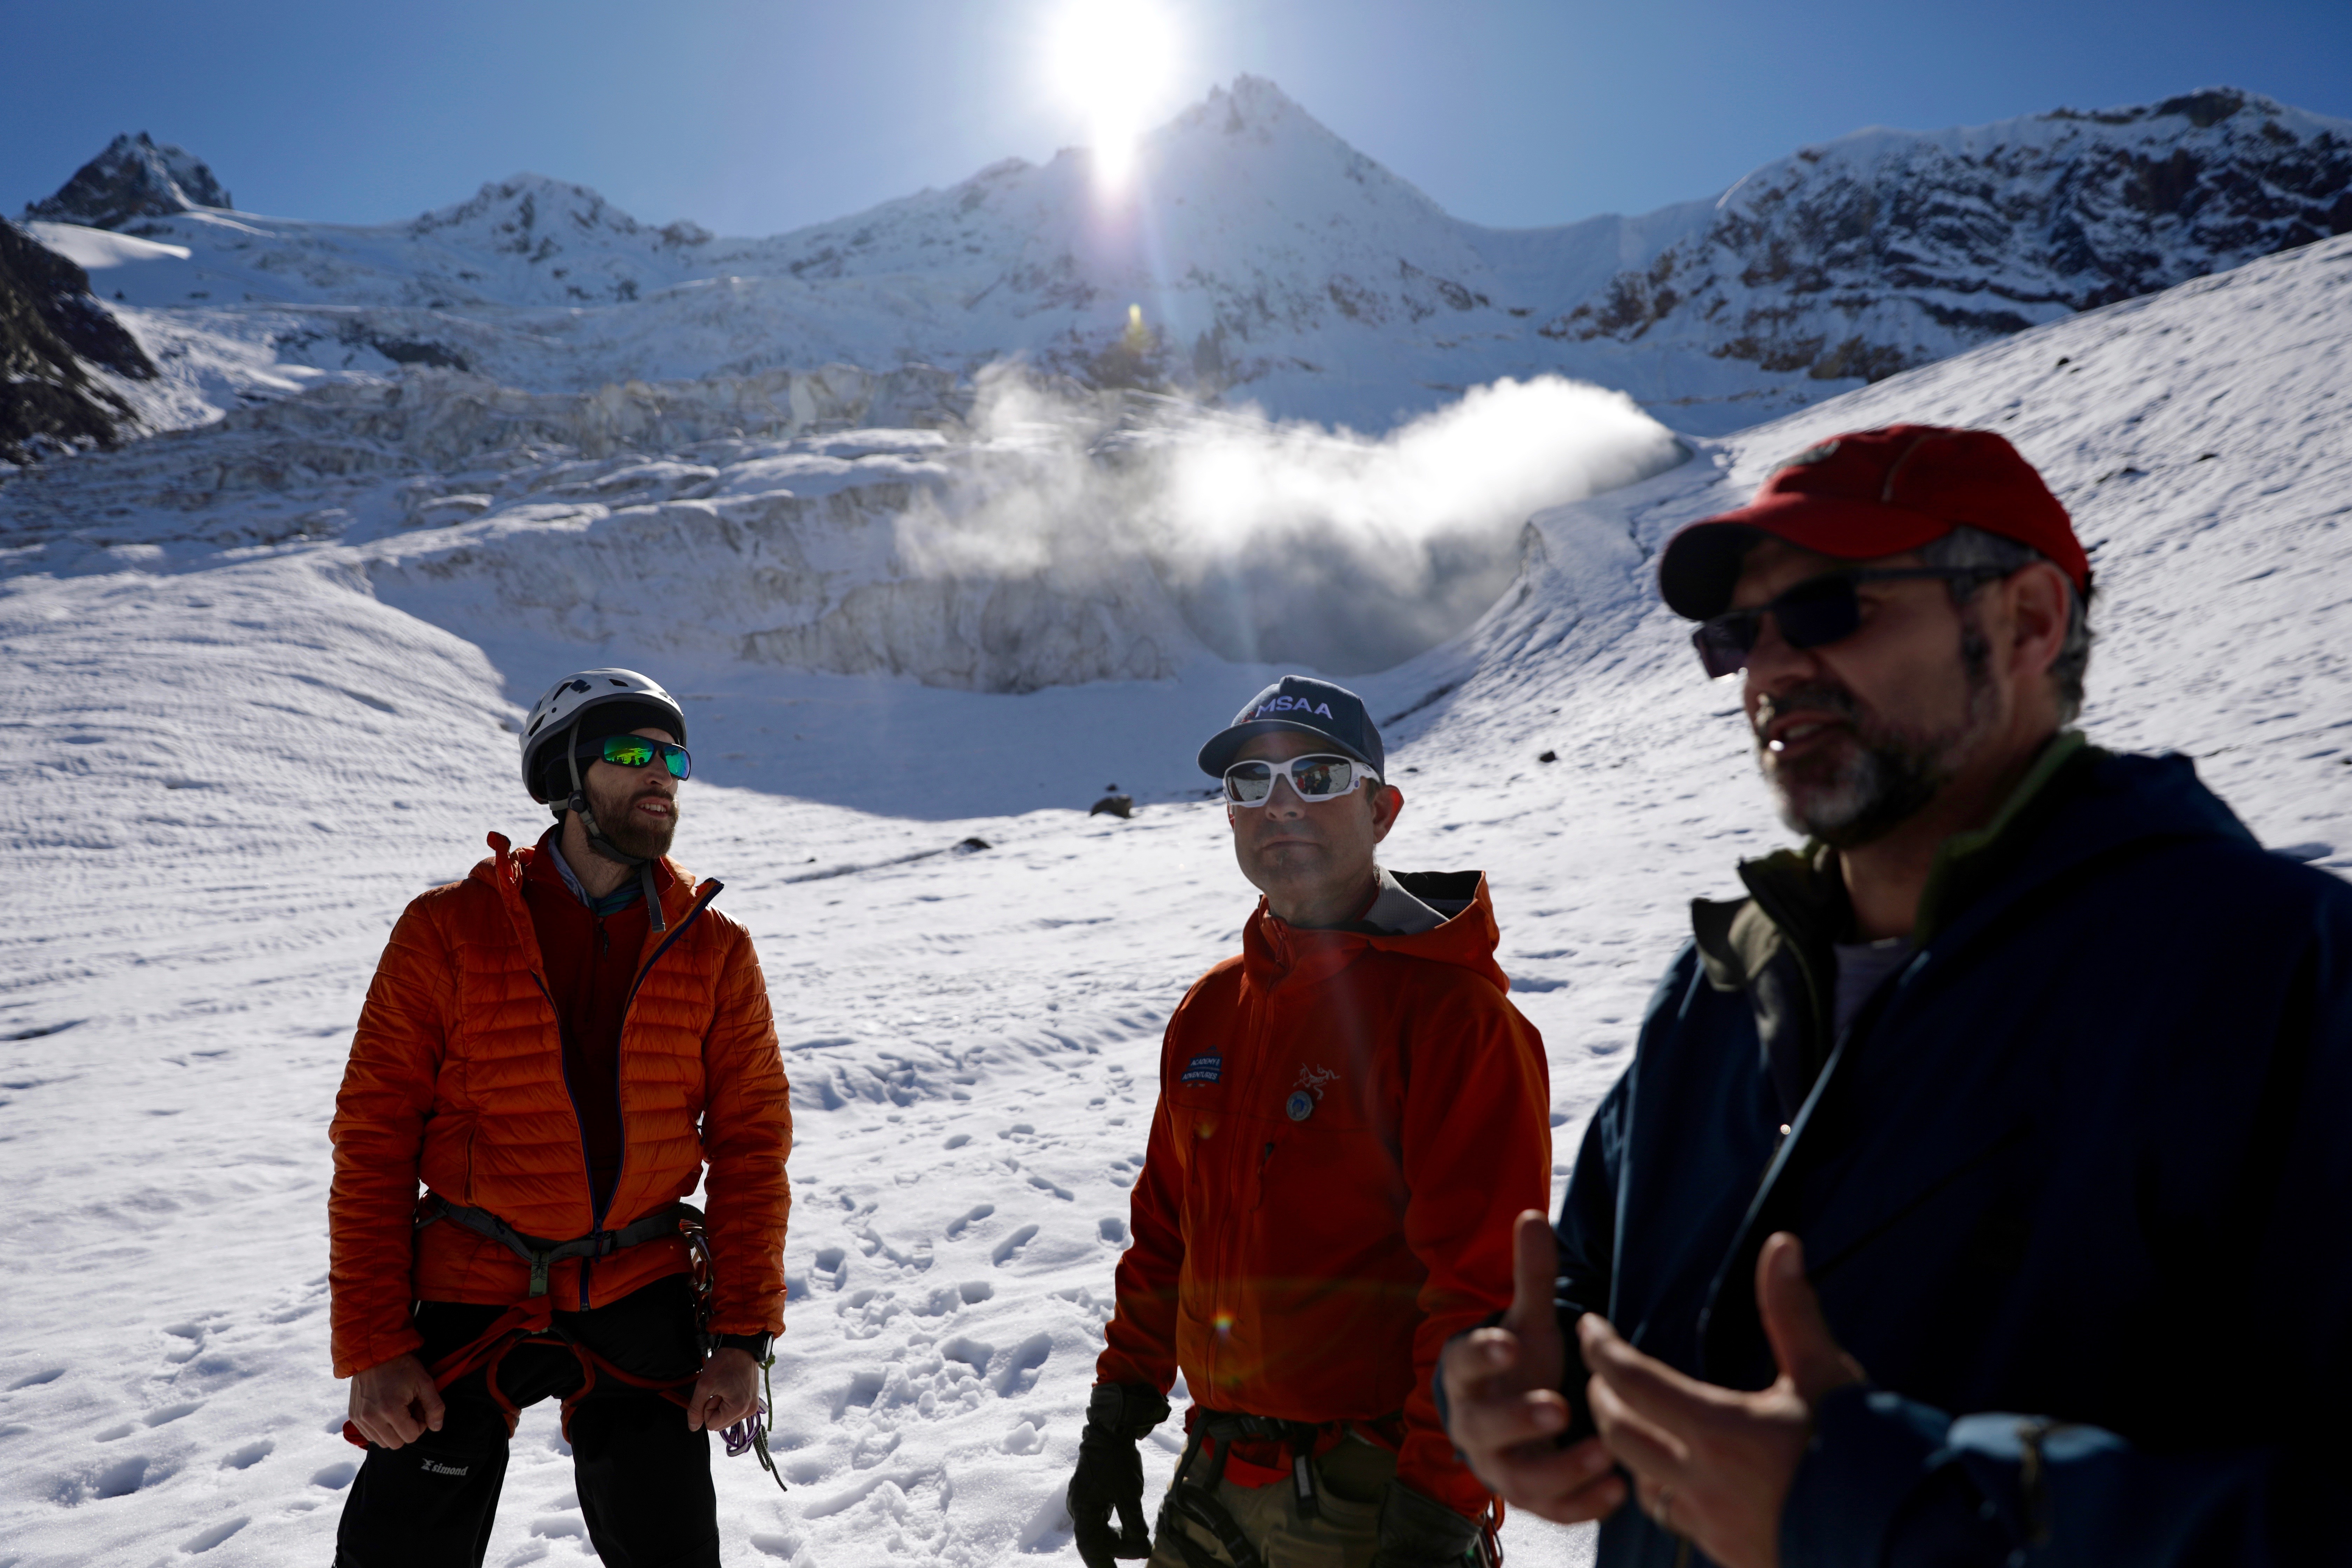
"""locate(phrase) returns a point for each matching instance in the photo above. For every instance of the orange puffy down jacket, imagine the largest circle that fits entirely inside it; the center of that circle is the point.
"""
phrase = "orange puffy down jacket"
(1347, 1124)
(456, 1080)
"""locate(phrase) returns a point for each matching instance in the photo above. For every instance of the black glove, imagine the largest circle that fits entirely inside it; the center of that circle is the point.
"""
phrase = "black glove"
(1110, 1472)
(1419, 1531)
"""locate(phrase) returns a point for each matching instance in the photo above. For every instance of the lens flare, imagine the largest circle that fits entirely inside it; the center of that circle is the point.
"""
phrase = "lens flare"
(1112, 61)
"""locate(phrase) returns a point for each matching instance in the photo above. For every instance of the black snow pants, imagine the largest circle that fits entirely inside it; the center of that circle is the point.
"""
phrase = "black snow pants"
(644, 1479)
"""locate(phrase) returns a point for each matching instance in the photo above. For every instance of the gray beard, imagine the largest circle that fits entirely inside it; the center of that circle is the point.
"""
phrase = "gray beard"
(1875, 790)
(1890, 773)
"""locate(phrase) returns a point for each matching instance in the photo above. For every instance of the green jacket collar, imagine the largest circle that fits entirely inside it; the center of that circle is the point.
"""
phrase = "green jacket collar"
(1798, 896)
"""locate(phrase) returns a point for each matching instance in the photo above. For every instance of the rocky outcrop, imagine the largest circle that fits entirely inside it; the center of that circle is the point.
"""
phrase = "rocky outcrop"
(51, 335)
(135, 177)
(1885, 249)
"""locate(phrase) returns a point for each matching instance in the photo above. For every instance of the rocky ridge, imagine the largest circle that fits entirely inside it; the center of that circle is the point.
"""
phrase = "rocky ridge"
(1255, 257)
(1886, 250)
(55, 344)
(136, 177)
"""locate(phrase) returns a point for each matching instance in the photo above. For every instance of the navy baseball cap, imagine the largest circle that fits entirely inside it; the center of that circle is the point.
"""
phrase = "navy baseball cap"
(1310, 707)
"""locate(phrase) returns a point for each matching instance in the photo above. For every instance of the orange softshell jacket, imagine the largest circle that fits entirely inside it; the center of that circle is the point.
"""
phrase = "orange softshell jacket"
(1348, 1125)
(456, 1081)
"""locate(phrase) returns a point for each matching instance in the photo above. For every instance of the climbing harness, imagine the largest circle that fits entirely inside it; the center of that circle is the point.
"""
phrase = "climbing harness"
(1302, 1442)
(541, 1254)
(532, 1321)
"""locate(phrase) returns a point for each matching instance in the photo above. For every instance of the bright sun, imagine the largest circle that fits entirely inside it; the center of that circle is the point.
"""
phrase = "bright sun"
(1111, 61)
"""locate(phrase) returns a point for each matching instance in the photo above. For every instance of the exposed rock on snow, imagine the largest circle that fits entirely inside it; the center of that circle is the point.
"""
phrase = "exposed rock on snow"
(861, 525)
(1257, 256)
(1887, 249)
(134, 178)
(54, 340)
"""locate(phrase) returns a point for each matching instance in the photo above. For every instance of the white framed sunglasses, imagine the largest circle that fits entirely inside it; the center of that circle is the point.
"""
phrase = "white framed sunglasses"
(1315, 778)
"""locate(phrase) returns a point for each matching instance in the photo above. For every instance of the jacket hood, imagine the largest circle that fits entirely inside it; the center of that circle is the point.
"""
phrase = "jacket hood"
(1273, 950)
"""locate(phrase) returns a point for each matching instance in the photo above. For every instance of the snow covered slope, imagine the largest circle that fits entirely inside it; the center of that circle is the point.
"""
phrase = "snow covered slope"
(232, 762)
(1255, 255)
(1031, 536)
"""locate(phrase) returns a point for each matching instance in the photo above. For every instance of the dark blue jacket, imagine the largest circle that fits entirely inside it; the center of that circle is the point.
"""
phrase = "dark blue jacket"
(2086, 1158)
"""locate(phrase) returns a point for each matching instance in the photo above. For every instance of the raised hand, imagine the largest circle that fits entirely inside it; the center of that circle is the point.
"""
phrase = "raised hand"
(1709, 1463)
(1505, 1411)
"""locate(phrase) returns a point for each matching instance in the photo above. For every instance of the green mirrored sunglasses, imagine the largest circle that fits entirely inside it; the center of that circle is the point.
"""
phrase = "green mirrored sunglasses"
(637, 752)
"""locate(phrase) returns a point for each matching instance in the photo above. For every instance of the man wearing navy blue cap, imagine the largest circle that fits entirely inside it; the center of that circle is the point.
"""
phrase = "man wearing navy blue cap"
(1349, 1113)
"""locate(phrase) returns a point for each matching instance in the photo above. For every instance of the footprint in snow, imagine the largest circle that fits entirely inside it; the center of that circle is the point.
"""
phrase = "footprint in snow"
(1004, 1250)
(120, 1478)
(978, 1212)
(1020, 1373)
(205, 1540)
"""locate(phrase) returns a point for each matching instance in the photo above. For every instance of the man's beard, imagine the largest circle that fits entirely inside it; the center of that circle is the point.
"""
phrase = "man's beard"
(645, 838)
(1888, 774)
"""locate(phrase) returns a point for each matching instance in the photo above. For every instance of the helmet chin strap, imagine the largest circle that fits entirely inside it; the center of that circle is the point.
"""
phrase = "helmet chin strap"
(603, 846)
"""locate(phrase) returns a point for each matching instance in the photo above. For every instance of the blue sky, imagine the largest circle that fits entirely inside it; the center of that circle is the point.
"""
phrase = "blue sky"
(755, 118)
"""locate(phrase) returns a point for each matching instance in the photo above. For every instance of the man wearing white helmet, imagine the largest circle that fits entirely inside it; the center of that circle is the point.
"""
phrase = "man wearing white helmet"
(552, 1049)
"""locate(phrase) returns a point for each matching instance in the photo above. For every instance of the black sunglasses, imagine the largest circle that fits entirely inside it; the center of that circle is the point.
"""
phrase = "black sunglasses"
(637, 752)
(1818, 610)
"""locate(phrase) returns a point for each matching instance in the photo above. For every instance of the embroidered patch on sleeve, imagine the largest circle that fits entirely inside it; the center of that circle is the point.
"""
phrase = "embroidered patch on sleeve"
(1203, 1069)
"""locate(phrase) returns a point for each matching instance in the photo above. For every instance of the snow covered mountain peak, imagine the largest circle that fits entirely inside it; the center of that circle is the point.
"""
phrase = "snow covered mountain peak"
(1254, 256)
(1887, 249)
(135, 177)
(589, 250)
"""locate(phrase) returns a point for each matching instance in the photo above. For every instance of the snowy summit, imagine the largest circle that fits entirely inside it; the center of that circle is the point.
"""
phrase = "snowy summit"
(1254, 256)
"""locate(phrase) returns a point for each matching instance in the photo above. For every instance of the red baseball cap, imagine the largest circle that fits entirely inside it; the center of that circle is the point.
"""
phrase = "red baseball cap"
(1872, 493)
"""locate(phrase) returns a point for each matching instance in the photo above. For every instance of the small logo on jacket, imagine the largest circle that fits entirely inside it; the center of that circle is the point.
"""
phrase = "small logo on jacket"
(434, 1467)
(1203, 1069)
(1307, 1090)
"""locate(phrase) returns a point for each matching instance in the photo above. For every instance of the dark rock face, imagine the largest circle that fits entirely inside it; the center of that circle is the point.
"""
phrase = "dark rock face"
(1886, 250)
(134, 178)
(51, 331)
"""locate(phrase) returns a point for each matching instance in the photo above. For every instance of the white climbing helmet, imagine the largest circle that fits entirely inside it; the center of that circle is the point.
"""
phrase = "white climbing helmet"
(553, 716)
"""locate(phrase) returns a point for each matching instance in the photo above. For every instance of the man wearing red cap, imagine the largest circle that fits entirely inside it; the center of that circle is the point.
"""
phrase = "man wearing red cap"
(1978, 1192)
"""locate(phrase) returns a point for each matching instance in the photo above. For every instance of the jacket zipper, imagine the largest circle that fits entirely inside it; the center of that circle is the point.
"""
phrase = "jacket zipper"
(596, 1217)
(1228, 1237)
(588, 1264)
(596, 1220)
